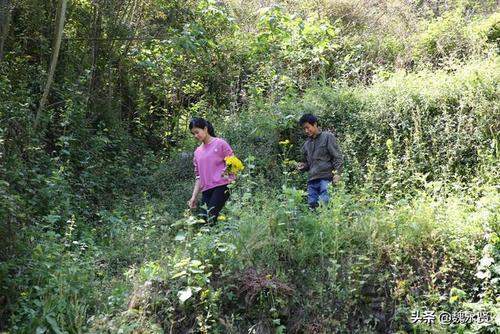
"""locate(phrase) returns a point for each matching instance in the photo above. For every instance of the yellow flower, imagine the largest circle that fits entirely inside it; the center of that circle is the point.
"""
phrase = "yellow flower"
(233, 165)
(284, 142)
(204, 294)
(222, 218)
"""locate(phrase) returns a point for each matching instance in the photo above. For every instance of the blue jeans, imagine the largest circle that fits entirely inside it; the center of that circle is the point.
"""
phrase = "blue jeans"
(317, 190)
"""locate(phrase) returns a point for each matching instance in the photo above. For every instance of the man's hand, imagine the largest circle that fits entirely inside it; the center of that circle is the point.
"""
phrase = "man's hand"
(336, 178)
(192, 203)
(301, 166)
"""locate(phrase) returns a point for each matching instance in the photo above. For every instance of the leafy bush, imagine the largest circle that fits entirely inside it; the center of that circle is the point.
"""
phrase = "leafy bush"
(406, 127)
(454, 36)
(352, 266)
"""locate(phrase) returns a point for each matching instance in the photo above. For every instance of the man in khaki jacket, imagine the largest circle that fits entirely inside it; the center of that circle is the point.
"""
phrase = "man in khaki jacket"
(321, 158)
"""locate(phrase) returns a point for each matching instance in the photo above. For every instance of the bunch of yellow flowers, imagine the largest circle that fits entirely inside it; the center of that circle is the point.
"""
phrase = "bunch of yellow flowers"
(285, 142)
(233, 165)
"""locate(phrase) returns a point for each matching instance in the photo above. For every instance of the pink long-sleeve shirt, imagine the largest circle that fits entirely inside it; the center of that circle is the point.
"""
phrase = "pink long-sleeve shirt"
(209, 164)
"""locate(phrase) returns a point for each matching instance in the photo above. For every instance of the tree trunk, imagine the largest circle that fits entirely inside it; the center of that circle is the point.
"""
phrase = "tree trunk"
(60, 16)
(5, 13)
(96, 49)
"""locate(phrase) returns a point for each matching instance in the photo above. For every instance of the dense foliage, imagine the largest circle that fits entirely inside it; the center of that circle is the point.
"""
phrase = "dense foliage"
(93, 227)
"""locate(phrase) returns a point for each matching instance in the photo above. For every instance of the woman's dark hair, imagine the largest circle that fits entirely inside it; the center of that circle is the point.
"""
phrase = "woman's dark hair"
(308, 118)
(202, 123)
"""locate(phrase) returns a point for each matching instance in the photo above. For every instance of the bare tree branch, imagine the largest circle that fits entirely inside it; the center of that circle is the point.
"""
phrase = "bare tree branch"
(60, 17)
(5, 15)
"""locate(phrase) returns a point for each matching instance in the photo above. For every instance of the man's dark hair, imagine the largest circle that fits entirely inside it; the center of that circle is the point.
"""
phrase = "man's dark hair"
(308, 118)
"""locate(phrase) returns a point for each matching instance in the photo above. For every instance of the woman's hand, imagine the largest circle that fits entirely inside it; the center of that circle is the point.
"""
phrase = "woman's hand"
(192, 203)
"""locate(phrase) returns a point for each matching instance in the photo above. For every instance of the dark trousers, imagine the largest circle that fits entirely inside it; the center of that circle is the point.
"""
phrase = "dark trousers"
(214, 200)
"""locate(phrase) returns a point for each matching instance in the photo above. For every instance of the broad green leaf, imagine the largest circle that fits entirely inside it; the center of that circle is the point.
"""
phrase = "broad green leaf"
(184, 295)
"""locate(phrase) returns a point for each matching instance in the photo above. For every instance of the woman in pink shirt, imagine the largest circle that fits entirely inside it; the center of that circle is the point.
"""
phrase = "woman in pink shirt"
(209, 168)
